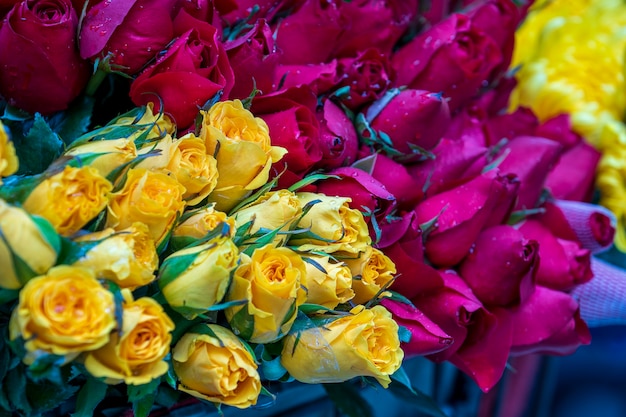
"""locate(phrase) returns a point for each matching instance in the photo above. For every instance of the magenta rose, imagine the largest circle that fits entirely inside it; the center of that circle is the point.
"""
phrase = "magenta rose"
(401, 240)
(41, 68)
(395, 177)
(501, 267)
(321, 78)
(559, 129)
(482, 339)
(426, 337)
(552, 324)
(453, 57)
(460, 213)
(290, 116)
(413, 119)
(191, 72)
(338, 139)
(206, 10)
(572, 178)
(131, 31)
(521, 122)
(235, 11)
(564, 263)
(253, 60)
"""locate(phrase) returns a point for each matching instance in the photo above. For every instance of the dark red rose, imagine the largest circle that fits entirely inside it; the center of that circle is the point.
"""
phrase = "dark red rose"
(192, 71)
(290, 116)
(501, 266)
(426, 337)
(40, 68)
(401, 240)
(131, 31)
(6, 5)
(338, 139)
(412, 119)
(397, 180)
(453, 57)
(573, 177)
(253, 59)
(549, 323)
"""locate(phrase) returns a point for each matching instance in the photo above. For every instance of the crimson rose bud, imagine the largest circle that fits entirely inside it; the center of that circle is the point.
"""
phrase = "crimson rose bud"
(426, 337)
(549, 323)
(572, 178)
(338, 139)
(410, 118)
(500, 268)
(564, 263)
(40, 68)
(132, 31)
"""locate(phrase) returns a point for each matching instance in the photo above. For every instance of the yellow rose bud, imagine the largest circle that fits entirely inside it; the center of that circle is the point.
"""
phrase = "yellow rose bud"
(241, 144)
(65, 312)
(128, 257)
(70, 199)
(333, 225)
(372, 271)
(364, 343)
(186, 159)
(158, 124)
(152, 198)
(272, 280)
(198, 224)
(8, 158)
(196, 278)
(105, 155)
(29, 246)
(328, 283)
(212, 364)
(135, 355)
(273, 210)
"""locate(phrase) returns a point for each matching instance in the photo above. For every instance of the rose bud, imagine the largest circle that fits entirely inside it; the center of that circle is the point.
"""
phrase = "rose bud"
(396, 179)
(9, 162)
(27, 239)
(559, 128)
(234, 11)
(479, 336)
(320, 77)
(212, 364)
(338, 140)
(549, 323)
(455, 162)
(41, 68)
(131, 32)
(105, 155)
(329, 283)
(572, 178)
(411, 118)
(401, 240)
(363, 343)
(531, 159)
(253, 59)
(373, 270)
(501, 267)
(426, 337)
(190, 73)
(522, 122)
(564, 263)
(293, 125)
(437, 10)
(460, 214)
(206, 10)
(453, 57)
(196, 224)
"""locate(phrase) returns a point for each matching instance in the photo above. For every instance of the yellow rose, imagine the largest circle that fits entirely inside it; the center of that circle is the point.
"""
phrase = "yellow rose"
(372, 271)
(333, 225)
(135, 355)
(186, 159)
(65, 312)
(364, 343)
(212, 364)
(8, 158)
(241, 144)
(272, 282)
(329, 287)
(152, 198)
(70, 199)
(105, 155)
(273, 210)
(196, 278)
(197, 224)
(128, 257)
(152, 125)
(28, 240)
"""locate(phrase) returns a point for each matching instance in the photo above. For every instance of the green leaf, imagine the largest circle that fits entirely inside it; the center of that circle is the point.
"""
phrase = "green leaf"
(89, 397)
(519, 215)
(142, 397)
(15, 114)
(46, 367)
(348, 399)
(310, 179)
(15, 386)
(7, 296)
(75, 120)
(38, 148)
(242, 324)
(272, 370)
(45, 396)
(401, 388)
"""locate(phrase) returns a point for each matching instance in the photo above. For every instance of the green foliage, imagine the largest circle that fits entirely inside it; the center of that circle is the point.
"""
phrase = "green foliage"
(348, 399)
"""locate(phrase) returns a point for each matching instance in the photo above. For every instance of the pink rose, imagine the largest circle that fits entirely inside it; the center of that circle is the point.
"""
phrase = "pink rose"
(501, 267)
(395, 177)
(573, 177)
(412, 119)
(338, 139)
(207, 10)
(41, 68)
(132, 31)
(426, 337)
(321, 78)
(243, 9)
(191, 72)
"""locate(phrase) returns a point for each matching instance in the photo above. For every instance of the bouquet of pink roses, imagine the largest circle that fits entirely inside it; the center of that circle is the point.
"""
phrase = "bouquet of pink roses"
(205, 197)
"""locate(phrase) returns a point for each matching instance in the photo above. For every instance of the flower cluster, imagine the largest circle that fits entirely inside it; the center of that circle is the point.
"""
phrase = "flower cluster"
(244, 192)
